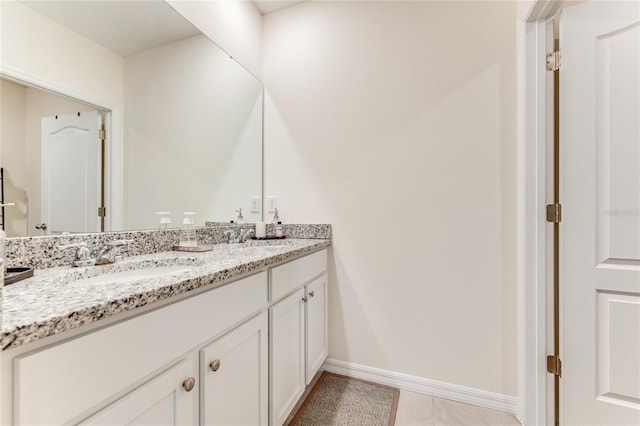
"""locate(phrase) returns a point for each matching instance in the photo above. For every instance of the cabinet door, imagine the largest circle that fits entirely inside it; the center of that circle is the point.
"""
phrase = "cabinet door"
(317, 336)
(161, 401)
(287, 355)
(235, 376)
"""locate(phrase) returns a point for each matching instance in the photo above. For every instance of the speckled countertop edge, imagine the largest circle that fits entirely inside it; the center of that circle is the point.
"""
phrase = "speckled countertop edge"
(47, 304)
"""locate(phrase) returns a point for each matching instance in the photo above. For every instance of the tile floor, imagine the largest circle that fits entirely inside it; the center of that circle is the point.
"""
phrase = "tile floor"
(417, 409)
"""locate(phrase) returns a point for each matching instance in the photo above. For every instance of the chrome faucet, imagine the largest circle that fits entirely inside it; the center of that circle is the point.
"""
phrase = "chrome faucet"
(82, 256)
(238, 235)
(109, 252)
(105, 255)
(232, 236)
(246, 234)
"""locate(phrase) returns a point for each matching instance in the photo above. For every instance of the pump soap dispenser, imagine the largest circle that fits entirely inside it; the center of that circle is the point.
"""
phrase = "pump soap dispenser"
(188, 236)
(165, 220)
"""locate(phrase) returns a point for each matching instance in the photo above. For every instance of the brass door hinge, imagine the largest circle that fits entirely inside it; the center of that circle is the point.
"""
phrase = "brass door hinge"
(554, 365)
(554, 60)
(102, 211)
(554, 213)
(102, 134)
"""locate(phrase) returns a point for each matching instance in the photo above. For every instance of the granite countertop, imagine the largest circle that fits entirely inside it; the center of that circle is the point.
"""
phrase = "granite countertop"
(53, 300)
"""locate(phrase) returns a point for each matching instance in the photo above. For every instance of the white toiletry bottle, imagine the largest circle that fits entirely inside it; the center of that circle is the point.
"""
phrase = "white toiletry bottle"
(165, 220)
(240, 219)
(261, 230)
(188, 231)
(279, 230)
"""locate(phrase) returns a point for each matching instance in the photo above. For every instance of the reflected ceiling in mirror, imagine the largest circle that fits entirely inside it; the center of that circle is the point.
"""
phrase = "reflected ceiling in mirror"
(184, 120)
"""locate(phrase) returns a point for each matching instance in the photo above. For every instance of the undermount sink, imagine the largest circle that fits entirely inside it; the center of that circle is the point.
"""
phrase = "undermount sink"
(129, 271)
(133, 275)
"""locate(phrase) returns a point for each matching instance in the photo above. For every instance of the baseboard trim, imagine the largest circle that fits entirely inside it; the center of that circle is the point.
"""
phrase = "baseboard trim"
(477, 397)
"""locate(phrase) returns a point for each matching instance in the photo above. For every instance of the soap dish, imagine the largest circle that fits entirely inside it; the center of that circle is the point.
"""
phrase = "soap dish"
(194, 249)
(16, 274)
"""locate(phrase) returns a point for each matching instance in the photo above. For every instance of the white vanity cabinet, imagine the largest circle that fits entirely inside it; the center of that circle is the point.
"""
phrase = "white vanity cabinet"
(316, 329)
(163, 400)
(287, 355)
(234, 376)
(238, 354)
(145, 358)
(298, 324)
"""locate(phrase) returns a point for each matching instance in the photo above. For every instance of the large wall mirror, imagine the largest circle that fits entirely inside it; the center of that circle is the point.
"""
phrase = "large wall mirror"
(183, 120)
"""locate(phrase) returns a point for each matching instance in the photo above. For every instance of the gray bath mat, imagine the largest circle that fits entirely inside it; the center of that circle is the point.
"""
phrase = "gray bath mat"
(341, 400)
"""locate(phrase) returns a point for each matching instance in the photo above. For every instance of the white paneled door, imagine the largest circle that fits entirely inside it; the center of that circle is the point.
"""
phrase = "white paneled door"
(71, 169)
(600, 232)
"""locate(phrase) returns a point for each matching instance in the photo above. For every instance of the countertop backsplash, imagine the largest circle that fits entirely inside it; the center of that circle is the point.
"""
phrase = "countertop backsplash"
(291, 230)
(42, 252)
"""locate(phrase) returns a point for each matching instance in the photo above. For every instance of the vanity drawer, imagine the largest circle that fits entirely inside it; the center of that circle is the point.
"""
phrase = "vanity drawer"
(58, 384)
(287, 277)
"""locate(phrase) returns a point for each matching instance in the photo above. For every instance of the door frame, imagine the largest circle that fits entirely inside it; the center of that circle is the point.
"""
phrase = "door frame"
(114, 168)
(535, 183)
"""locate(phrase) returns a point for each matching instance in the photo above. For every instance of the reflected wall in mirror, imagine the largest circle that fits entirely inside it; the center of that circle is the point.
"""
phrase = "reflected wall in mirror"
(183, 119)
(24, 111)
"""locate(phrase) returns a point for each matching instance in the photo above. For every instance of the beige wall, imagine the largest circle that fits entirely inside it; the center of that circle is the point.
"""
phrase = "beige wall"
(395, 122)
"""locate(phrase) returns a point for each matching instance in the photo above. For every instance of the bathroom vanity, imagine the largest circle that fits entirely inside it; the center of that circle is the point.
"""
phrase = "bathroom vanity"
(230, 336)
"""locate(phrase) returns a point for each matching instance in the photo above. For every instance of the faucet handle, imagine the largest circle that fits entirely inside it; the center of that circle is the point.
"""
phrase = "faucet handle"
(233, 237)
(82, 252)
(246, 235)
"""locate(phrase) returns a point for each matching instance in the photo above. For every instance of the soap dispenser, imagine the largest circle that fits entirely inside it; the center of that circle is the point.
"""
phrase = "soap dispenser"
(165, 220)
(275, 221)
(188, 231)
(240, 219)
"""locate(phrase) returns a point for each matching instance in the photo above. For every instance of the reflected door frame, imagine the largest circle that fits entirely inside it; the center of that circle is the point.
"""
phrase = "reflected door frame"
(113, 155)
(535, 191)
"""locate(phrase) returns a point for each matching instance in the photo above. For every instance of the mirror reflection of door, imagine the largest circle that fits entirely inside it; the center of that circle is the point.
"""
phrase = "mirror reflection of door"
(71, 172)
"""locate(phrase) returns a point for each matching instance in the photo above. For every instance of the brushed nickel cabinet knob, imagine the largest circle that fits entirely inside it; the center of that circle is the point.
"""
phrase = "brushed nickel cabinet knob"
(215, 364)
(312, 293)
(189, 384)
(304, 299)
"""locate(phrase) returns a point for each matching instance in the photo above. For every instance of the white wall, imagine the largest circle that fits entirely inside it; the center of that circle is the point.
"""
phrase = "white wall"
(395, 122)
(235, 25)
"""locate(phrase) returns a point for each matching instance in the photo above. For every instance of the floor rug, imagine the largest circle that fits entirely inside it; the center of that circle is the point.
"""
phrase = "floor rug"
(341, 400)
